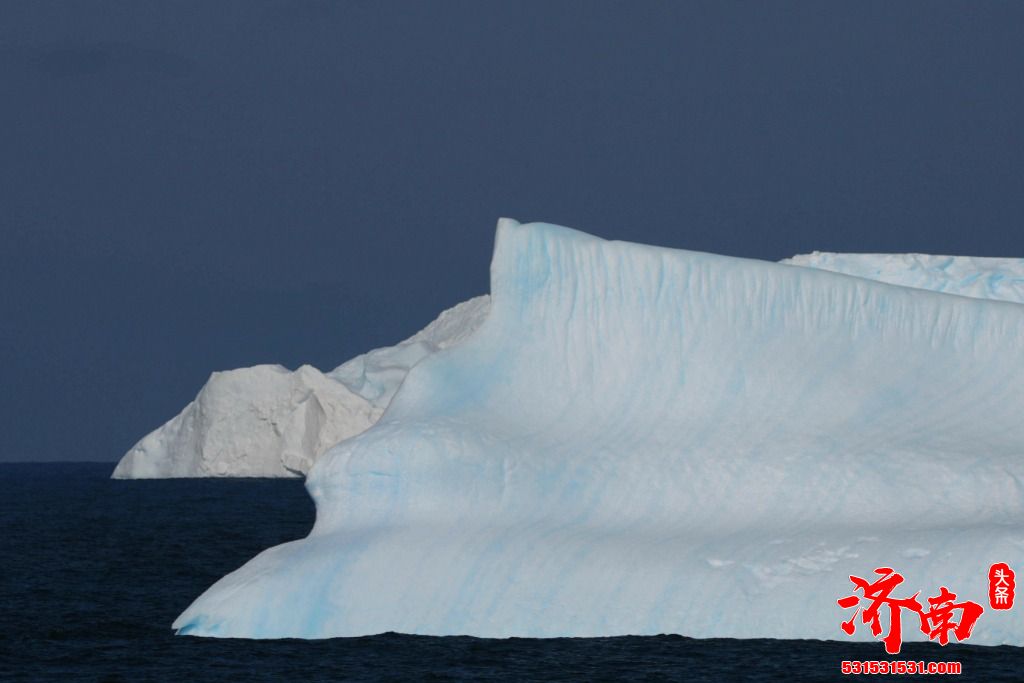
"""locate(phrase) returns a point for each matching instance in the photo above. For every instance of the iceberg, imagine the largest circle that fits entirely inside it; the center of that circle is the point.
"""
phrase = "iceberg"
(640, 440)
(264, 421)
(267, 421)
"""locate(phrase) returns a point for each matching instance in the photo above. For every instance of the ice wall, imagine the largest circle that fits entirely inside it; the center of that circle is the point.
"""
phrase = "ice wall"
(641, 440)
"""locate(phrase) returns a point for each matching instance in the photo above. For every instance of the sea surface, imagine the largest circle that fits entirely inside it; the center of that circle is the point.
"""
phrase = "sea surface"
(93, 571)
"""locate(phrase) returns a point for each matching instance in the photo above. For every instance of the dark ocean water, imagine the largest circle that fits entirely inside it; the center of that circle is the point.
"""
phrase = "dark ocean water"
(94, 571)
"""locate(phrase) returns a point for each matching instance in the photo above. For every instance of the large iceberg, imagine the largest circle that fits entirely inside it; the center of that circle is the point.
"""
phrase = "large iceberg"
(641, 440)
(268, 421)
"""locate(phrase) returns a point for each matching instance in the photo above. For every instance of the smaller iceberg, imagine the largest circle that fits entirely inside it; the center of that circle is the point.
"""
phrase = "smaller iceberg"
(267, 421)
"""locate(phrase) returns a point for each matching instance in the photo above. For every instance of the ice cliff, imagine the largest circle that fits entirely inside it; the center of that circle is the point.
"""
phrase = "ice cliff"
(641, 440)
(267, 421)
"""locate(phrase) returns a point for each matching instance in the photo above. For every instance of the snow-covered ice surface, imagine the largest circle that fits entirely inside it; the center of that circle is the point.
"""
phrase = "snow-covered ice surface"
(267, 421)
(641, 440)
(376, 375)
(974, 276)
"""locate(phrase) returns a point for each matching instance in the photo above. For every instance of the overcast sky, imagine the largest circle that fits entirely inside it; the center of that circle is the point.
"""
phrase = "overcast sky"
(194, 186)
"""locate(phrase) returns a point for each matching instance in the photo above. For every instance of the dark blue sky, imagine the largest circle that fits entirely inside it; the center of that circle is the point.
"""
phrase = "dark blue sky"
(193, 186)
